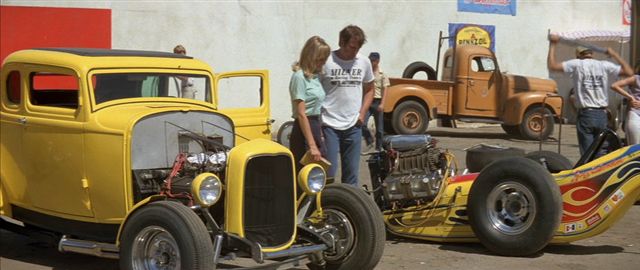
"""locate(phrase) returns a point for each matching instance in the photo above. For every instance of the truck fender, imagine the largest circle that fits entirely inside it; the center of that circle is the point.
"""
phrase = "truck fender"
(137, 206)
(401, 92)
(518, 104)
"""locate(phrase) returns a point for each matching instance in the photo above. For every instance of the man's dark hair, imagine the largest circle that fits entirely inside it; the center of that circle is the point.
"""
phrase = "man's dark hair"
(352, 32)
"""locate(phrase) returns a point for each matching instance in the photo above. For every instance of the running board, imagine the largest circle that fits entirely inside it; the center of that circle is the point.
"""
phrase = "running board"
(98, 249)
(479, 120)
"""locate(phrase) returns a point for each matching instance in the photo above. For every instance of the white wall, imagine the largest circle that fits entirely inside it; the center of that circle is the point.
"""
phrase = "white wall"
(269, 34)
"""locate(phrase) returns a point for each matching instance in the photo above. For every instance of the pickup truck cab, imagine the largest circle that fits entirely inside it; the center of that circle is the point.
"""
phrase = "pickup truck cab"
(473, 89)
(126, 154)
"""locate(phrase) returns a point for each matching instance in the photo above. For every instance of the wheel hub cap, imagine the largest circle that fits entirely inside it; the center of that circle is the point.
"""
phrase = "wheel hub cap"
(154, 248)
(341, 230)
(511, 208)
(411, 120)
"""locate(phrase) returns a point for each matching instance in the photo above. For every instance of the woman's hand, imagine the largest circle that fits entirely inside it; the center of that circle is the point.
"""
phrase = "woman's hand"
(315, 153)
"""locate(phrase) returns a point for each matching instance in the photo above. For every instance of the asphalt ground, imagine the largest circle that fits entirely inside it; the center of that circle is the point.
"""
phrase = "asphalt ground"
(617, 248)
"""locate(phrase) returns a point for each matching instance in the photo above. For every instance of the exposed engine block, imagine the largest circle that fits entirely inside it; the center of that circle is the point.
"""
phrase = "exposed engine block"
(414, 174)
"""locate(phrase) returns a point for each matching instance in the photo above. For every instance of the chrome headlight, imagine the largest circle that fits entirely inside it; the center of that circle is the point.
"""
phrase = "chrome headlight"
(206, 189)
(312, 178)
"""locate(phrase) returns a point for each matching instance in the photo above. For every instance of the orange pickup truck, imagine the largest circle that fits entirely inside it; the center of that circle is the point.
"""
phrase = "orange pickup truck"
(472, 89)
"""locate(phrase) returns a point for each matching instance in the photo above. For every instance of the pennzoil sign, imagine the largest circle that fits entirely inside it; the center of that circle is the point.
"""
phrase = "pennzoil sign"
(481, 35)
(473, 35)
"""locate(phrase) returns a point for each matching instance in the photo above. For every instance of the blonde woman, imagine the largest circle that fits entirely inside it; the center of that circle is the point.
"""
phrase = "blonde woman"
(307, 96)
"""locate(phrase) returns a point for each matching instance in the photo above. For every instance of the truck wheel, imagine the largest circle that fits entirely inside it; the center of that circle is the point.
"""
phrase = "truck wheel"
(514, 207)
(284, 133)
(416, 67)
(165, 235)
(513, 130)
(553, 161)
(356, 222)
(410, 118)
(482, 155)
(533, 121)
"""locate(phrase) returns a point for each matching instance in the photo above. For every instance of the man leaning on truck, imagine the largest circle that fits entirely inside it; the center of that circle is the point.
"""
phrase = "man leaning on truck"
(590, 83)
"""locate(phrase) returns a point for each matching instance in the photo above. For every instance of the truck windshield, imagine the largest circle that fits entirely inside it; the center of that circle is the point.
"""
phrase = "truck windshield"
(108, 87)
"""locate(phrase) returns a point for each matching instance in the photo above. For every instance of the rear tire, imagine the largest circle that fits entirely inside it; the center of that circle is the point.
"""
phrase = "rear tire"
(410, 117)
(535, 125)
(479, 157)
(554, 162)
(514, 207)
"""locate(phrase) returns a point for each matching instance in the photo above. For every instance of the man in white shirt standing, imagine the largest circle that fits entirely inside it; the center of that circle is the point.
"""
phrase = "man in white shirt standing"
(590, 82)
(347, 79)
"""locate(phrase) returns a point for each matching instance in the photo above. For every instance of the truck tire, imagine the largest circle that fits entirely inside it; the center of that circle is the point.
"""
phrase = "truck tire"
(536, 124)
(482, 155)
(410, 117)
(514, 207)
(416, 67)
(553, 161)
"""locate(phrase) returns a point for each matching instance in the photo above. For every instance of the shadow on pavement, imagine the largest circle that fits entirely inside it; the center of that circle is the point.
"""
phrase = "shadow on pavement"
(573, 249)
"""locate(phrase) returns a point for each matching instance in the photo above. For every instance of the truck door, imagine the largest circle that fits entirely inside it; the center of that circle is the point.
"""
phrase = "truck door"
(482, 85)
(244, 97)
(53, 144)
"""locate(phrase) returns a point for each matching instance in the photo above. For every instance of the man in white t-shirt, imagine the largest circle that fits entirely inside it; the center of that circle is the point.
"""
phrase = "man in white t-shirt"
(590, 83)
(347, 79)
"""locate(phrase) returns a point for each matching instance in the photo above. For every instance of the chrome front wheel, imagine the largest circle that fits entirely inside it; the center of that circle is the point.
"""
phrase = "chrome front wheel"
(155, 248)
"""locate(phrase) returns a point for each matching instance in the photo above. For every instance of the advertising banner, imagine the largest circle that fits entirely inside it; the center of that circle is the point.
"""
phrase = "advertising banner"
(482, 35)
(488, 6)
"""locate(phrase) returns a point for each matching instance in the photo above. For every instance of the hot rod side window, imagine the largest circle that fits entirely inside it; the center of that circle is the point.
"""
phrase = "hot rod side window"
(14, 95)
(54, 90)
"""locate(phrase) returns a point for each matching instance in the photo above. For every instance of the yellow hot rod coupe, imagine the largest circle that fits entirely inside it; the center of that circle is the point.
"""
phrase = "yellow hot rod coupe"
(128, 154)
(514, 206)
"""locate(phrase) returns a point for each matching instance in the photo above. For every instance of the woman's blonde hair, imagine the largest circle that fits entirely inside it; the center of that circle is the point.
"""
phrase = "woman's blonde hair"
(315, 49)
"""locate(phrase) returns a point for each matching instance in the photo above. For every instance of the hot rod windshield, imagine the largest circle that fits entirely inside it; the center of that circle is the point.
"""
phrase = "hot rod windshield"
(114, 86)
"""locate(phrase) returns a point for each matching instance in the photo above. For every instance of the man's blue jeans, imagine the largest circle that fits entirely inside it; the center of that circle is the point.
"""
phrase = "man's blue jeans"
(589, 124)
(347, 144)
(378, 120)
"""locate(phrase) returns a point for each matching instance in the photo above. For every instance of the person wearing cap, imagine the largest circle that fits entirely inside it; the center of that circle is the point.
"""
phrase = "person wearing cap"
(381, 82)
(347, 79)
(590, 83)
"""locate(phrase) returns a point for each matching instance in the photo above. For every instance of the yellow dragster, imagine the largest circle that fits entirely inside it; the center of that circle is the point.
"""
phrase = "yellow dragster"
(515, 206)
(136, 155)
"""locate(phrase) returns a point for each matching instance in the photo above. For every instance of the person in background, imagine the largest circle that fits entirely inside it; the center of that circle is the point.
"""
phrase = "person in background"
(381, 82)
(347, 79)
(186, 84)
(307, 96)
(590, 81)
(632, 127)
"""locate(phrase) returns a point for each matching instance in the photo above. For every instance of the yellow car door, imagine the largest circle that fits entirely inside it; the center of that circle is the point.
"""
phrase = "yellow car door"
(244, 97)
(53, 143)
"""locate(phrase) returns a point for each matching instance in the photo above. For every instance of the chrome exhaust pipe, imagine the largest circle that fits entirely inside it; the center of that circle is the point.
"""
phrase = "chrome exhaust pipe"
(98, 249)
